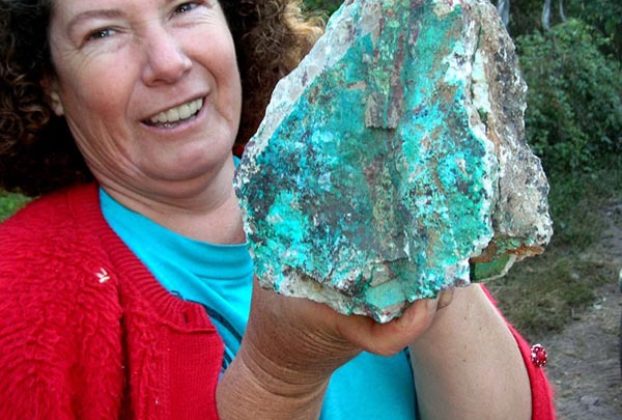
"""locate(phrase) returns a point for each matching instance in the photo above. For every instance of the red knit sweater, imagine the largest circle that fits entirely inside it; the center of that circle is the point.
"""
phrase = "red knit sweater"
(87, 332)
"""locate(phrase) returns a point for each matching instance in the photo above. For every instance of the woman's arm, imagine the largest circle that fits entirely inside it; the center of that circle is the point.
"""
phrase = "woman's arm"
(468, 365)
(292, 346)
(466, 360)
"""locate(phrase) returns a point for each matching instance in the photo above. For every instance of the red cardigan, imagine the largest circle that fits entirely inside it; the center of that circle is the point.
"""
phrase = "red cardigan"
(87, 332)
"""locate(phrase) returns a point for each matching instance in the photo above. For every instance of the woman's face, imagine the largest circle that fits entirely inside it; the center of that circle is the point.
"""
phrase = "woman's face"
(150, 88)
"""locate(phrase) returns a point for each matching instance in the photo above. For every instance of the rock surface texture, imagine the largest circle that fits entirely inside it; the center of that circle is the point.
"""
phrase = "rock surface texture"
(392, 162)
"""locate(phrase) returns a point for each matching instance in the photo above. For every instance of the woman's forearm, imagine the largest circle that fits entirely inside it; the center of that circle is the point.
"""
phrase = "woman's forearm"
(284, 363)
(292, 346)
(467, 365)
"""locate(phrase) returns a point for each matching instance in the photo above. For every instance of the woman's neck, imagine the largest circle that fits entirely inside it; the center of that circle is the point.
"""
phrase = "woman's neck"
(209, 212)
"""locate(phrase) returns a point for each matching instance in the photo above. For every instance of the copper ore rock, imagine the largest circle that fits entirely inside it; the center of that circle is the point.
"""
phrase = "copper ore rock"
(392, 163)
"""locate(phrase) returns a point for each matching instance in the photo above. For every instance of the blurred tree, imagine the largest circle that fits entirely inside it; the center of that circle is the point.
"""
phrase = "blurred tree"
(329, 6)
(574, 113)
(503, 7)
(562, 13)
(605, 16)
(546, 15)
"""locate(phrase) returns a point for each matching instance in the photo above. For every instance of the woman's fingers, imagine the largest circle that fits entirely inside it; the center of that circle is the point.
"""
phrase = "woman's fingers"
(392, 337)
(333, 332)
(445, 298)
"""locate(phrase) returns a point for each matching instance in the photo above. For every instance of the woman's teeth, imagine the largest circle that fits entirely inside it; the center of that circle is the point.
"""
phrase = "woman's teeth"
(178, 113)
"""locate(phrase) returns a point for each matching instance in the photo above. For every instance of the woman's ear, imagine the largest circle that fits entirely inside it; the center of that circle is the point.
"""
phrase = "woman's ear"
(56, 104)
(50, 87)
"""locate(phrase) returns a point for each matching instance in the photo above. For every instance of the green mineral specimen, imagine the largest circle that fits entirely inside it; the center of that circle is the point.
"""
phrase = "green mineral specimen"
(391, 163)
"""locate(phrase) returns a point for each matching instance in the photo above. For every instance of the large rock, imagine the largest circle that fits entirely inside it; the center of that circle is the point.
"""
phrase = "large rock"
(392, 162)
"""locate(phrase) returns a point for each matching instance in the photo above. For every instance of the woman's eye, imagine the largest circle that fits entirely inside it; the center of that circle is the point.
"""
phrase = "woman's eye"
(99, 34)
(186, 7)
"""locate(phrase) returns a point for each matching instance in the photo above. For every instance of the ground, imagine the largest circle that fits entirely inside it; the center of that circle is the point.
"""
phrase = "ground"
(584, 359)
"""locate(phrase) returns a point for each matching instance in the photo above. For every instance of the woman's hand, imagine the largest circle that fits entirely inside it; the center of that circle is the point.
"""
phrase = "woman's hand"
(292, 346)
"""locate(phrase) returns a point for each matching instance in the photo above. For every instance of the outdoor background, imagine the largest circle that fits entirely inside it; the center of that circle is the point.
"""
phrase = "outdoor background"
(570, 53)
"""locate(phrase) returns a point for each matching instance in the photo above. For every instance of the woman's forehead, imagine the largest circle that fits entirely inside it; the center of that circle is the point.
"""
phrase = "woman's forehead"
(79, 5)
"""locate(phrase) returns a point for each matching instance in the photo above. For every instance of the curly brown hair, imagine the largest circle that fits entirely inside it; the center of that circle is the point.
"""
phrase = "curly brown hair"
(38, 153)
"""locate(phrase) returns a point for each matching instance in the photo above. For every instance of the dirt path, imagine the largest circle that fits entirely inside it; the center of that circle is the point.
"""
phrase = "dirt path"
(584, 359)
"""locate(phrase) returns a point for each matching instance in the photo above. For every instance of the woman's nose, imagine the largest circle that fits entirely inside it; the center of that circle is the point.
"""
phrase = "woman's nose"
(166, 61)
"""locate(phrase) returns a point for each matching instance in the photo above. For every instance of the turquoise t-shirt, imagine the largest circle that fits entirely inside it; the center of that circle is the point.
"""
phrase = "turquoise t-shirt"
(219, 277)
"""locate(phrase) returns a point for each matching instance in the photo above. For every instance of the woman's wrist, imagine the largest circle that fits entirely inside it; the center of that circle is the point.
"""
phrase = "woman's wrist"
(256, 388)
(276, 359)
(284, 363)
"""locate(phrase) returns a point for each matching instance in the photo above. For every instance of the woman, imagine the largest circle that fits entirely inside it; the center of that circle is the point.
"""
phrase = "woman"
(125, 289)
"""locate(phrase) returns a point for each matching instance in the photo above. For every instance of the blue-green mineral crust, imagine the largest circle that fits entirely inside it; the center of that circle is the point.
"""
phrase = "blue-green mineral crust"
(373, 180)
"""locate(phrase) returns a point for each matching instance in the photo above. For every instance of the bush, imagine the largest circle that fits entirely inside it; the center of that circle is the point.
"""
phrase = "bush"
(574, 114)
(329, 6)
(604, 15)
(10, 203)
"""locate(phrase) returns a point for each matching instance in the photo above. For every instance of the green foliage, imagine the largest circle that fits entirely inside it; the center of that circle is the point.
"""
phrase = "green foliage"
(525, 16)
(10, 203)
(574, 114)
(329, 6)
(603, 15)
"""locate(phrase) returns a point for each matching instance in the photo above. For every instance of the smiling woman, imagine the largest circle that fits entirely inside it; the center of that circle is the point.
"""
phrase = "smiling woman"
(121, 66)
(37, 150)
(126, 288)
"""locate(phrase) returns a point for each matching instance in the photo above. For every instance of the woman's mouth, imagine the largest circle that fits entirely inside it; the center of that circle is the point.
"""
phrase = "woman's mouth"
(177, 115)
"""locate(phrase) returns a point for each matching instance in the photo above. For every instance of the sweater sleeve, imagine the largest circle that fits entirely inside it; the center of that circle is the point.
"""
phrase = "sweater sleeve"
(541, 391)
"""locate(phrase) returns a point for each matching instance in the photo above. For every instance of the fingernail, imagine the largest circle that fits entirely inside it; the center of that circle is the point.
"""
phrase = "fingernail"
(432, 303)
